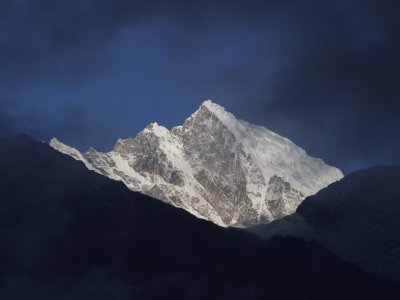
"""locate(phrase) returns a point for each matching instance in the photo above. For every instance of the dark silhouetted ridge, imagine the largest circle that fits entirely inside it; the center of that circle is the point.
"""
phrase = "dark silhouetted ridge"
(69, 233)
(358, 218)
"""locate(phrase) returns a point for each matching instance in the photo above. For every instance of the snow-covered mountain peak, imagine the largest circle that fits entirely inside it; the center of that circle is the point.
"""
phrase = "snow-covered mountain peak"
(215, 166)
(208, 106)
(275, 154)
(241, 129)
(213, 107)
(157, 130)
(217, 111)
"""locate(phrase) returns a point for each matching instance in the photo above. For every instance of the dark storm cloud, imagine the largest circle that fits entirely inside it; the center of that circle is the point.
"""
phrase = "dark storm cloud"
(7, 122)
(58, 33)
(323, 73)
(340, 95)
(12, 120)
(47, 36)
(15, 119)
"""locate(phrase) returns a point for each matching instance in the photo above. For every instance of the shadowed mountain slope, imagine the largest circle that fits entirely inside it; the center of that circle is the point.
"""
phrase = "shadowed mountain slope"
(68, 233)
(359, 218)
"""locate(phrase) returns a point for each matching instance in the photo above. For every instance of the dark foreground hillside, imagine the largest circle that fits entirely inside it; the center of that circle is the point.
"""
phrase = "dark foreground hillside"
(359, 218)
(68, 233)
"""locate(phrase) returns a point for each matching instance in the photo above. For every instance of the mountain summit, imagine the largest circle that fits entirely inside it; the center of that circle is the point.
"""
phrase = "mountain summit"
(215, 166)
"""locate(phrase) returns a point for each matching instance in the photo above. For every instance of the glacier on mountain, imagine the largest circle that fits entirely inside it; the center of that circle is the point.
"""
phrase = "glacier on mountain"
(215, 166)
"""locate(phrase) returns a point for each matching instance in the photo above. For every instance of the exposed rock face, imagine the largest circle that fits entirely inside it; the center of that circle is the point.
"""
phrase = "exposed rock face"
(279, 193)
(215, 166)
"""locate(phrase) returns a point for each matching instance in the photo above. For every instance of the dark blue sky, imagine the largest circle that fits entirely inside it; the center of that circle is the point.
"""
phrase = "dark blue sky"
(323, 73)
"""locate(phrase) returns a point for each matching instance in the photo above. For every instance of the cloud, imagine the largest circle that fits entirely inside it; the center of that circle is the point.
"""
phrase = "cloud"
(339, 96)
(69, 119)
(325, 74)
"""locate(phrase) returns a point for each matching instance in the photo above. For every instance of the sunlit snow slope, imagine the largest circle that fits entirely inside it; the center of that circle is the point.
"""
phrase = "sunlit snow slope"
(215, 166)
